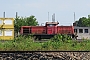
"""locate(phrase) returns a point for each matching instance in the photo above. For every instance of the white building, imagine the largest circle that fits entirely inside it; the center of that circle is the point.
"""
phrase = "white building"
(82, 32)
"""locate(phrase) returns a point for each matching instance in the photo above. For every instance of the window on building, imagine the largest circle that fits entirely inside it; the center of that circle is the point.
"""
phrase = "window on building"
(8, 32)
(1, 22)
(1, 32)
(75, 30)
(80, 30)
(85, 30)
(8, 22)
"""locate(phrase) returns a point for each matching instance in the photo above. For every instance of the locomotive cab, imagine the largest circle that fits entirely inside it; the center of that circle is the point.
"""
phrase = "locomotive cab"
(51, 27)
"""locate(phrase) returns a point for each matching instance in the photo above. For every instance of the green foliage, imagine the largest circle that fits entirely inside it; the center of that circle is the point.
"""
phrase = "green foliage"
(56, 42)
(19, 43)
(57, 38)
(60, 38)
(56, 45)
(23, 43)
(83, 22)
(27, 21)
(45, 45)
(74, 43)
(31, 21)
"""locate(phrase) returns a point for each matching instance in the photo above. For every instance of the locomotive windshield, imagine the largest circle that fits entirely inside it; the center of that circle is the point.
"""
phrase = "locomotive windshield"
(51, 24)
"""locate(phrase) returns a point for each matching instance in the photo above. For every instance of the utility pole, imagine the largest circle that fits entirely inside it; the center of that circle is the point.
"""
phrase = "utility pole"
(16, 18)
(48, 16)
(74, 20)
(3, 17)
(74, 16)
(16, 14)
(3, 14)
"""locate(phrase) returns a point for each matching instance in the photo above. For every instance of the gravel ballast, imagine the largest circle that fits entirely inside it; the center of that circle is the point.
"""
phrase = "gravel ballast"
(45, 56)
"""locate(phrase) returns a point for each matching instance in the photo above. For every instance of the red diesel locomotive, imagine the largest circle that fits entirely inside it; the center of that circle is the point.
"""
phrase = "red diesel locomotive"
(46, 32)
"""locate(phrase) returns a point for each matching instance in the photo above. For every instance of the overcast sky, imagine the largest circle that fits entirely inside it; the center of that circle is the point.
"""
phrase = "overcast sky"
(63, 9)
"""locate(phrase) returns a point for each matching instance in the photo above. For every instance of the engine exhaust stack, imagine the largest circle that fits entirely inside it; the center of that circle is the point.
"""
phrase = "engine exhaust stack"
(53, 17)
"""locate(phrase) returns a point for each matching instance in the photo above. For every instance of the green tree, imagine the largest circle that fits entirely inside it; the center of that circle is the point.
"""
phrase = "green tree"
(27, 21)
(31, 21)
(83, 22)
(18, 22)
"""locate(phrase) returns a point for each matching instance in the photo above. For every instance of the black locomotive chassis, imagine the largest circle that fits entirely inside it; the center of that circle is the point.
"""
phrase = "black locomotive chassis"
(40, 36)
(45, 36)
(48, 36)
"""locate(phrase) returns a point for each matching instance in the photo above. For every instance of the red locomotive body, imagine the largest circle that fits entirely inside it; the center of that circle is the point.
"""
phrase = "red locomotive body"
(38, 29)
(51, 27)
(25, 30)
(65, 29)
(47, 31)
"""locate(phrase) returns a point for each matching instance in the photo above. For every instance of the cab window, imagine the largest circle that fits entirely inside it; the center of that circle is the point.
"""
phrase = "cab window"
(51, 25)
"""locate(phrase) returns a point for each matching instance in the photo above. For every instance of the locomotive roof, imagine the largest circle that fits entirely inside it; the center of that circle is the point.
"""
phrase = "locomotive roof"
(52, 23)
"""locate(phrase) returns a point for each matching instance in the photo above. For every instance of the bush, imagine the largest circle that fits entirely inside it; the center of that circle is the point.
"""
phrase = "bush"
(23, 43)
(61, 38)
(53, 43)
(56, 45)
(56, 38)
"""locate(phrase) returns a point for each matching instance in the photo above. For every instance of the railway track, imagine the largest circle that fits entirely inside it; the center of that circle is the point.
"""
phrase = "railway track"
(80, 40)
(45, 40)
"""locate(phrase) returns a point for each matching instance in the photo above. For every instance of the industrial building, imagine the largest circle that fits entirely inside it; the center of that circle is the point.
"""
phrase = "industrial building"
(6, 28)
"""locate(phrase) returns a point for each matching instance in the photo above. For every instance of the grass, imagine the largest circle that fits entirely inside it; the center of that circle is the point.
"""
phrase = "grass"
(54, 44)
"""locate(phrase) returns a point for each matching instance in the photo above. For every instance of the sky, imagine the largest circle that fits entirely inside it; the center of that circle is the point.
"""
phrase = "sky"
(63, 9)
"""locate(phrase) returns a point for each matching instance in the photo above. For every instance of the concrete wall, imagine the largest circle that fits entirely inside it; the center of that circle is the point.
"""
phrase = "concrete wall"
(83, 35)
